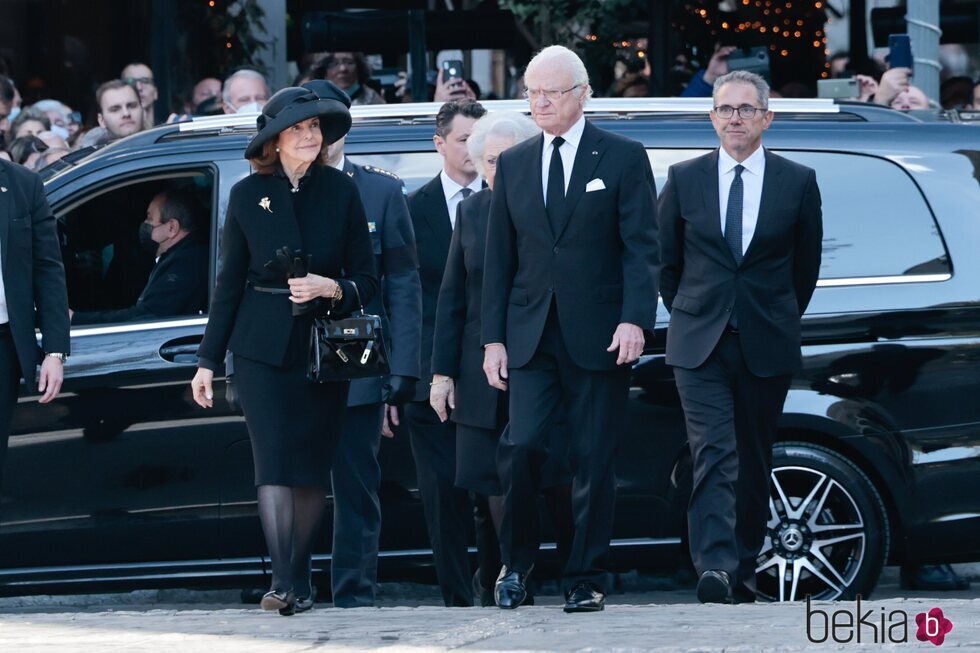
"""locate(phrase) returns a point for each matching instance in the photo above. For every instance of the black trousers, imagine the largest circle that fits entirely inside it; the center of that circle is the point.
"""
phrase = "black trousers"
(9, 388)
(548, 388)
(448, 512)
(356, 480)
(731, 417)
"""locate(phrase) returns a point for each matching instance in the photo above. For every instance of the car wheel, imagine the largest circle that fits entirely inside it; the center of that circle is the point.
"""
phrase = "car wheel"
(828, 532)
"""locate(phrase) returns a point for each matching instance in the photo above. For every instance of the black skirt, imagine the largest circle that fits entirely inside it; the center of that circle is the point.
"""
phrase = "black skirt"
(294, 425)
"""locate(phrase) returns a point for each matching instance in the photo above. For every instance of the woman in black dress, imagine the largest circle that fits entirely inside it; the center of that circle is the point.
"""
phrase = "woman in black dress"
(459, 383)
(262, 312)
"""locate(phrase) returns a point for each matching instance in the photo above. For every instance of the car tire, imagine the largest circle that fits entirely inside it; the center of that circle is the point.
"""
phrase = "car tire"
(827, 535)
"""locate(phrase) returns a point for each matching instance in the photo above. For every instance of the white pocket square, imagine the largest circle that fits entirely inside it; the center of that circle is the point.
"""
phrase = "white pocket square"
(595, 184)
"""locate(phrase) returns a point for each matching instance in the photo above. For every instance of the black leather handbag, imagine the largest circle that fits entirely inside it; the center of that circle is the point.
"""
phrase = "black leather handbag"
(346, 348)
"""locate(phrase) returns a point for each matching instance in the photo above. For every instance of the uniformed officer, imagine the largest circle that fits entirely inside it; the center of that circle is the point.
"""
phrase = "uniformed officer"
(356, 474)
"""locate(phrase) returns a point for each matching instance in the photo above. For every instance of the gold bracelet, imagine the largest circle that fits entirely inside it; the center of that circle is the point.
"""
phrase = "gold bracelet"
(338, 292)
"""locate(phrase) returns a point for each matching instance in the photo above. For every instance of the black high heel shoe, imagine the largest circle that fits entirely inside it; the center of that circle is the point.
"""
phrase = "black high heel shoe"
(282, 600)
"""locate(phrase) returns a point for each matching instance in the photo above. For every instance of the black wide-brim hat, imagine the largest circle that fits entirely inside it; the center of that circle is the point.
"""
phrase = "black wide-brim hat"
(295, 104)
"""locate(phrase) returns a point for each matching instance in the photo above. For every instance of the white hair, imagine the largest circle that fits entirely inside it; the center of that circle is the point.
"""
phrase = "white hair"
(245, 72)
(559, 54)
(52, 105)
(743, 77)
(508, 124)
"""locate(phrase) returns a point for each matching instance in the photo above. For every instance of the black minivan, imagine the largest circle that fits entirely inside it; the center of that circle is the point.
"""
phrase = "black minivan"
(124, 482)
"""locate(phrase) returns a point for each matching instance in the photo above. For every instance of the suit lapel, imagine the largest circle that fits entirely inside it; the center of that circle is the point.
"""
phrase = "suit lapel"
(6, 213)
(436, 213)
(587, 156)
(771, 191)
(709, 192)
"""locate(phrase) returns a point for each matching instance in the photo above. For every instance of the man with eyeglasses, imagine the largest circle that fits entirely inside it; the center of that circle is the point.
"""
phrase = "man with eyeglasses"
(569, 286)
(740, 240)
(350, 71)
(140, 77)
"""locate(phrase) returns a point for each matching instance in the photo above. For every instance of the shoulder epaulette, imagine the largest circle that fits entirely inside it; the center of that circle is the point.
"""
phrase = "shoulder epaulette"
(382, 171)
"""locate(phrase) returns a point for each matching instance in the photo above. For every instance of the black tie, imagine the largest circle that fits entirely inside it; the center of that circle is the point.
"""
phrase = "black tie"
(555, 197)
(466, 192)
(733, 217)
(733, 226)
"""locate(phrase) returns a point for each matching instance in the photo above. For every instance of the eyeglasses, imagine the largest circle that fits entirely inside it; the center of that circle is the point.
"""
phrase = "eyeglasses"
(336, 63)
(745, 112)
(144, 81)
(533, 94)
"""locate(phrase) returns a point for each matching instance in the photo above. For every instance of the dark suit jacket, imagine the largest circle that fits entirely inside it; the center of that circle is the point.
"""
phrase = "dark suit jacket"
(33, 276)
(393, 243)
(433, 231)
(177, 285)
(457, 330)
(599, 269)
(700, 282)
(258, 325)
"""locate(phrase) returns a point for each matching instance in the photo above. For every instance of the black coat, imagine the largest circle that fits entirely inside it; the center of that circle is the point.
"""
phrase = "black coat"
(33, 276)
(600, 269)
(177, 285)
(701, 283)
(258, 325)
(433, 231)
(457, 328)
(400, 304)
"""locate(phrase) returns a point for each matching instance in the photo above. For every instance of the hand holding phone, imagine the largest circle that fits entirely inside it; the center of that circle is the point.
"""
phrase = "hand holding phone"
(452, 69)
(899, 51)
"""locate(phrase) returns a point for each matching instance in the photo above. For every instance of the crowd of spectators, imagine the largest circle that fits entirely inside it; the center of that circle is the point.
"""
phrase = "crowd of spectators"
(43, 132)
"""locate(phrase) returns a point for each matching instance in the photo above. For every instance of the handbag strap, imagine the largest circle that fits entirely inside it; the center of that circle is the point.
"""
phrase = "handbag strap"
(360, 305)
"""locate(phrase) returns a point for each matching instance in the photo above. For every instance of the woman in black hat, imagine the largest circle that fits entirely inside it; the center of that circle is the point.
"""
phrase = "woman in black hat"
(292, 217)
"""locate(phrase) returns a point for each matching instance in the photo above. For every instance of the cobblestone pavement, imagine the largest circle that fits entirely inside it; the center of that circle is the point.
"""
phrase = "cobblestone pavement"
(646, 620)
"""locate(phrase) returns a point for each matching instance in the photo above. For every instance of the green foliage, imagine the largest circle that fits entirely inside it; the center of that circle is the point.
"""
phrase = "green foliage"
(235, 25)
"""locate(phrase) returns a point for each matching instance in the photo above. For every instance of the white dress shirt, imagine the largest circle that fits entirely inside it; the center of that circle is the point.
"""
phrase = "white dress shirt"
(752, 176)
(340, 164)
(454, 193)
(567, 151)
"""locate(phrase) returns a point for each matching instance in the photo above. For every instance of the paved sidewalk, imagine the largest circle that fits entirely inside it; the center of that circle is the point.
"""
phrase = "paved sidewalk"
(662, 628)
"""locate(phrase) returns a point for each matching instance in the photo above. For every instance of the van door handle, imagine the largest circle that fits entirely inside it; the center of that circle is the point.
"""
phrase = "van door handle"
(182, 350)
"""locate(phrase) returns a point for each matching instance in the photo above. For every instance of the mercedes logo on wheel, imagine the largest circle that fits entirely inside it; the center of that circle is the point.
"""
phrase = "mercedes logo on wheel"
(791, 539)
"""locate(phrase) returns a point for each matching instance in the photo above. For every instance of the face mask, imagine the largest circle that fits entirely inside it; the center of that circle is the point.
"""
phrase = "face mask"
(58, 130)
(251, 107)
(13, 114)
(354, 89)
(146, 238)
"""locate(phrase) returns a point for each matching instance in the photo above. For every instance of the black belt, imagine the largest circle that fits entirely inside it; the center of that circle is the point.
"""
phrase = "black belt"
(272, 290)
(5, 329)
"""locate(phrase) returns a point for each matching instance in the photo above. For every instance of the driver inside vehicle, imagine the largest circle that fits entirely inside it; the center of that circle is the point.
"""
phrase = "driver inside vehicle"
(177, 284)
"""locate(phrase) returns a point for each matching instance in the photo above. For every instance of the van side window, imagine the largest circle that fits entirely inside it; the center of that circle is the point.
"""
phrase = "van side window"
(138, 251)
(875, 221)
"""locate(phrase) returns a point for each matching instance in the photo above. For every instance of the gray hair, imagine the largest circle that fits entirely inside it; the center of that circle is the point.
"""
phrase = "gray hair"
(570, 60)
(52, 105)
(743, 77)
(508, 124)
(245, 72)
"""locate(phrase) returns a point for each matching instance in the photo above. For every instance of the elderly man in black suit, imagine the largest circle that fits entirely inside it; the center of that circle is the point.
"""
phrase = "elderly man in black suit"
(32, 293)
(433, 208)
(569, 285)
(740, 232)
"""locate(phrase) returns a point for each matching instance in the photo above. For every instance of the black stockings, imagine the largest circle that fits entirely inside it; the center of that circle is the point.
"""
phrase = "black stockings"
(291, 518)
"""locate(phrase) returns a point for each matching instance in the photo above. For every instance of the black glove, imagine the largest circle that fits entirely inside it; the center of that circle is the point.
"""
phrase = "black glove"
(296, 265)
(397, 390)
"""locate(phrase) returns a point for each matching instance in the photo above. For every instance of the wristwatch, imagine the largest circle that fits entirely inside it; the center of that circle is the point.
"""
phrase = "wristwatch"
(58, 355)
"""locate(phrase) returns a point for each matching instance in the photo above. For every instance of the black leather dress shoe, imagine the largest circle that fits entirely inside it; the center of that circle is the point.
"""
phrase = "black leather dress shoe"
(584, 597)
(932, 578)
(715, 586)
(510, 590)
(282, 600)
